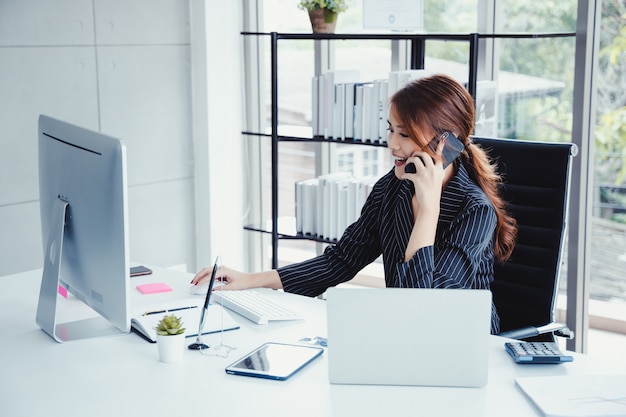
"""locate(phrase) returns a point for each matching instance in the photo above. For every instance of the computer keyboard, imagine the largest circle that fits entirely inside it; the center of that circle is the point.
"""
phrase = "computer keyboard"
(254, 306)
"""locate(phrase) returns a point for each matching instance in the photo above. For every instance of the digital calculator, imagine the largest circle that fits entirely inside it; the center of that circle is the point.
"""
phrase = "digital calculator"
(536, 352)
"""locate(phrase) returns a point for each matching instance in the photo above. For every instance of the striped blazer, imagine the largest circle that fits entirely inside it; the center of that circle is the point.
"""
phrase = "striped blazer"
(462, 256)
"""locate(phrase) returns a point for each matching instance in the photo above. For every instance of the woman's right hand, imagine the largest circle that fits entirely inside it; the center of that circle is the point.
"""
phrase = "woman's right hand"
(236, 280)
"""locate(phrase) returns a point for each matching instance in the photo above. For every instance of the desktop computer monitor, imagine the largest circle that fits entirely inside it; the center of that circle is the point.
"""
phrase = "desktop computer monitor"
(83, 207)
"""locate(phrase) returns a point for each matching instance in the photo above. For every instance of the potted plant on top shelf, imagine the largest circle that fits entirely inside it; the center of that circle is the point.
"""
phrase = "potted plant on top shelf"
(170, 338)
(323, 13)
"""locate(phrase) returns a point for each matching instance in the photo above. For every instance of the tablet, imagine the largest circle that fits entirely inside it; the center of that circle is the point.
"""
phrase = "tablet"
(274, 361)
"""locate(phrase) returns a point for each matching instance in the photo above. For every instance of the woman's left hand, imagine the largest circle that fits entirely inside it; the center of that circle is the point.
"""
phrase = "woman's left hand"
(428, 181)
(428, 178)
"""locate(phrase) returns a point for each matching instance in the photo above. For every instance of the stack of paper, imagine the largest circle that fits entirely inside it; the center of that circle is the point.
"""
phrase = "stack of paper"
(577, 395)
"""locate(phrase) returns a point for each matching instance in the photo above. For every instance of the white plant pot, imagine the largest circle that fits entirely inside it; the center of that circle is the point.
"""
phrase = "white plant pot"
(171, 348)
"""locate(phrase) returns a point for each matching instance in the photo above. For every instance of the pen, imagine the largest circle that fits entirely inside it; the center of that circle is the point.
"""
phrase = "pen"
(147, 313)
(198, 345)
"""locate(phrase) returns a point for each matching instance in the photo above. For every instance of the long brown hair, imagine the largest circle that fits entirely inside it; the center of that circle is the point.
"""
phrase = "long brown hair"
(438, 103)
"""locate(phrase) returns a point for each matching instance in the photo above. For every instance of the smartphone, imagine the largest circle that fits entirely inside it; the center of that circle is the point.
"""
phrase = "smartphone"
(136, 271)
(451, 150)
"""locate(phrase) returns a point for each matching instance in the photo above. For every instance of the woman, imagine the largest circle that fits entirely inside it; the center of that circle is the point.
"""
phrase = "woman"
(435, 227)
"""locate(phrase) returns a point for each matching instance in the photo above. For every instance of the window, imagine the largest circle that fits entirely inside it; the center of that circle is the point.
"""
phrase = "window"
(525, 91)
(607, 304)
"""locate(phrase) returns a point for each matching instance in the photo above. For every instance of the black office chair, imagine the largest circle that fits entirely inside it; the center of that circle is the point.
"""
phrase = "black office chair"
(536, 183)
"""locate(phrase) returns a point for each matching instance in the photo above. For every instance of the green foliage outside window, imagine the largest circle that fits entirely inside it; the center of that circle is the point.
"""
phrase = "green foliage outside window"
(610, 132)
(549, 116)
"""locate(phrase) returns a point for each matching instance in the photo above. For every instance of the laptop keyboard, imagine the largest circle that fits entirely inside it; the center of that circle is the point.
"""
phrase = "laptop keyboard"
(254, 306)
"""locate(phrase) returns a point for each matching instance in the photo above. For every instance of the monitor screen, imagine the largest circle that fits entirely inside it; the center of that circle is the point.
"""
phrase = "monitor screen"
(83, 208)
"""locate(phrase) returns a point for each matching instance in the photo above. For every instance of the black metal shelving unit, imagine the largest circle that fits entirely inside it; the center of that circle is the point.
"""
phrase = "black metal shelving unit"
(417, 59)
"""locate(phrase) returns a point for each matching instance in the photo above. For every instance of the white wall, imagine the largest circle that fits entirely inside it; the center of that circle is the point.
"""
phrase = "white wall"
(217, 115)
(122, 67)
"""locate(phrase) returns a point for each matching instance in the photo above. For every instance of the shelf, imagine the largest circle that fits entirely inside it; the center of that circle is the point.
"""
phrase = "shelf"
(363, 36)
(287, 231)
(297, 236)
(318, 139)
(409, 36)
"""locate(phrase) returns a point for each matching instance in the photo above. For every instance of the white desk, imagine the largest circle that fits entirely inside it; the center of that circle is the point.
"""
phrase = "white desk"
(123, 376)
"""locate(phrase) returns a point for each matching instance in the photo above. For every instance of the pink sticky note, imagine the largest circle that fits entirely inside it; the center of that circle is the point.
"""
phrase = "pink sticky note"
(154, 288)
(63, 291)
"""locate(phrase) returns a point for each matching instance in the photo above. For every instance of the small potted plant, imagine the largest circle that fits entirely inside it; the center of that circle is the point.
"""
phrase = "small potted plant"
(170, 338)
(323, 13)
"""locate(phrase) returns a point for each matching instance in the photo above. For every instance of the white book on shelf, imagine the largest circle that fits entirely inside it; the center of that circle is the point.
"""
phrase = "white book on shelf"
(319, 104)
(358, 113)
(315, 95)
(333, 77)
(342, 189)
(333, 207)
(348, 115)
(323, 197)
(399, 79)
(365, 188)
(379, 97)
(357, 193)
(383, 110)
(299, 197)
(339, 111)
(366, 126)
(309, 206)
(330, 209)
(369, 185)
(329, 221)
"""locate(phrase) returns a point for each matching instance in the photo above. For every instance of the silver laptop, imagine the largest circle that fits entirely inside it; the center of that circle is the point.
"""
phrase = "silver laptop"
(395, 336)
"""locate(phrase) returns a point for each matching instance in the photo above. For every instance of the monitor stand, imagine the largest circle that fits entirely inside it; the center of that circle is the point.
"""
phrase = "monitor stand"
(52, 294)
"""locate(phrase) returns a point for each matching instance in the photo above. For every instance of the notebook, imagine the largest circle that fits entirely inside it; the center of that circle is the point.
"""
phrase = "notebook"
(402, 336)
(145, 318)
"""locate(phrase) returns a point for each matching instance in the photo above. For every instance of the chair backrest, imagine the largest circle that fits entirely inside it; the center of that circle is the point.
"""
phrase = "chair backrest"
(536, 177)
